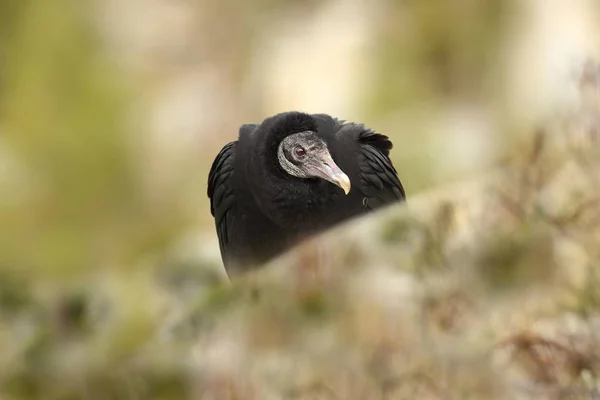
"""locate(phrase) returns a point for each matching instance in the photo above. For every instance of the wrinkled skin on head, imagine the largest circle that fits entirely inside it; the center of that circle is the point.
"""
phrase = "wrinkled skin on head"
(304, 155)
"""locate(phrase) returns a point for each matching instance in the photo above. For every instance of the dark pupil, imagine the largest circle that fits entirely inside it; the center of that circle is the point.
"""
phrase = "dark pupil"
(300, 151)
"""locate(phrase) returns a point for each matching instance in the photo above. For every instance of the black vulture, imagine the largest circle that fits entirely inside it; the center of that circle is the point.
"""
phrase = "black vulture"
(292, 176)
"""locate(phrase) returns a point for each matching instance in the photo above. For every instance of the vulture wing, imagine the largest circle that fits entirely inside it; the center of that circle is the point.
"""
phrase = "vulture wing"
(379, 183)
(378, 177)
(221, 193)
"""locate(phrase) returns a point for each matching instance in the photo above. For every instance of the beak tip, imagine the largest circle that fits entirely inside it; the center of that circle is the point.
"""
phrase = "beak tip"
(344, 183)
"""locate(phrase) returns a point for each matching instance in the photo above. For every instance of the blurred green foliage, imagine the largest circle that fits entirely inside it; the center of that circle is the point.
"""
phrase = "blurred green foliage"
(436, 50)
(71, 208)
(63, 114)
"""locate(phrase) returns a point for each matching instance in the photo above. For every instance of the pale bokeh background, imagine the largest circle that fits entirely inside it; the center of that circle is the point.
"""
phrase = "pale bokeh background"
(111, 113)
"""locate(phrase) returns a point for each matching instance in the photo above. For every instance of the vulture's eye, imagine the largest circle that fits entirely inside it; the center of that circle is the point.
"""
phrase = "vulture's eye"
(300, 152)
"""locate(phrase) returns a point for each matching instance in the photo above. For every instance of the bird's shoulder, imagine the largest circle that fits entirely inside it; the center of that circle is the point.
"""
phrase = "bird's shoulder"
(342, 130)
(327, 125)
(247, 131)
(378, 176)
(363, 136)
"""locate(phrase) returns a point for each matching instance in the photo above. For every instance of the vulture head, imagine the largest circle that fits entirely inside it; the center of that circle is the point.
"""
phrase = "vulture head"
(296, 169)
(305, 155)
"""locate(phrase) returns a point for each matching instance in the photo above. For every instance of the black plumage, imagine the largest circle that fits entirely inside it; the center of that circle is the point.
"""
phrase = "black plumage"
(288, 178)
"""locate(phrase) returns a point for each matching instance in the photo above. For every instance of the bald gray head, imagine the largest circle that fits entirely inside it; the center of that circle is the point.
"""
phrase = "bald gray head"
(305, 155)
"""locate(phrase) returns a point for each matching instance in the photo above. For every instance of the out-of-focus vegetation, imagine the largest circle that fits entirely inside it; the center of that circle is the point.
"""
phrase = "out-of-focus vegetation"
(444, 58)
(110, 115)
(75, 223)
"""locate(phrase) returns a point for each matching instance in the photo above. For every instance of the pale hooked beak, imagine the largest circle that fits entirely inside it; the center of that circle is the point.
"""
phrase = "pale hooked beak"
(325, 168)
